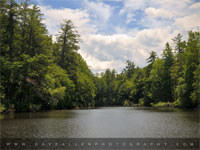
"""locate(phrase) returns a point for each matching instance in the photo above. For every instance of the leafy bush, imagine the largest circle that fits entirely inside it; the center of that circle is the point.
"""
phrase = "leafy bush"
(2, 108)
(141, 101)
(126, 103)
(163, 104)
(35, 107)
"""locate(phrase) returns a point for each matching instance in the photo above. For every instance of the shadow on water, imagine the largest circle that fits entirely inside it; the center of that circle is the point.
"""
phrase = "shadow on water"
(36, 115)
(121, 122)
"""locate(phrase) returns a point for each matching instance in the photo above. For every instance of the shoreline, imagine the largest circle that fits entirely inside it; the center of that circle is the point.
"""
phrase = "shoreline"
(90, 108)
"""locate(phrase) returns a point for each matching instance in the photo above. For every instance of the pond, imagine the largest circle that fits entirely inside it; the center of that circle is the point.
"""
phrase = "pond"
(105, 122)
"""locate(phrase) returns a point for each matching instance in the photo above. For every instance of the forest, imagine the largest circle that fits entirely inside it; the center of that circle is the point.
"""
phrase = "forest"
(38, 73)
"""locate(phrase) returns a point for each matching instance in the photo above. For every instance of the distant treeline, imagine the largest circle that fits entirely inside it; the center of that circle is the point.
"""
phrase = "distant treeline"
(39, 74)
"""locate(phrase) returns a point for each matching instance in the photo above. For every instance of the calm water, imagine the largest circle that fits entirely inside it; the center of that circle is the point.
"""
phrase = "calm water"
(103, 122)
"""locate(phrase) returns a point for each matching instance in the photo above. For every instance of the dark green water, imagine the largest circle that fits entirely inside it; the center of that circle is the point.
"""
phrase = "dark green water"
(103, 122)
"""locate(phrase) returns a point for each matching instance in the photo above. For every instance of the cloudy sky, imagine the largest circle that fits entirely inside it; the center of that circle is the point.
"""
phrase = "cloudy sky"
(113, 31)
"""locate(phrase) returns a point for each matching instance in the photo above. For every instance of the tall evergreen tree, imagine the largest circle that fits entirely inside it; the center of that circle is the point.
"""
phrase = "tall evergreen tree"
(168, 62)
(68, 40)
(129, 69)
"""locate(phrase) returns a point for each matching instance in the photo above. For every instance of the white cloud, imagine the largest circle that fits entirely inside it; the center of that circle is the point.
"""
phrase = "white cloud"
(134, 4)
(171, 5)
(160, 12)
(189, 22)
(155, 39)
(124, 30)
(162, 20)
(166, 9)
(88, 31)
(80, 18)
(98, 65)
(112, 51)
(195, 6)
(98, 10)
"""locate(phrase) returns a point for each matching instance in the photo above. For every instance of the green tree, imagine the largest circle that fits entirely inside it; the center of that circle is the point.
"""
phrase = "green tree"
(85, 91)
(147, 100)
(157, 78)
(68, 41)
(177, 69)
(8, 47)
(195, 95)
(191, 64)
(179, 44)
(59, 88)
(167, 81)
(129, 69)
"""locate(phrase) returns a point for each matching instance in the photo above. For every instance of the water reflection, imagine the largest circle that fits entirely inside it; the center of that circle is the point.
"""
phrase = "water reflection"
(103, 122)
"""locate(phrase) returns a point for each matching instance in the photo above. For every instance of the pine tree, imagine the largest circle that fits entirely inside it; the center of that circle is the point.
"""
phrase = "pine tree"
(168, 62)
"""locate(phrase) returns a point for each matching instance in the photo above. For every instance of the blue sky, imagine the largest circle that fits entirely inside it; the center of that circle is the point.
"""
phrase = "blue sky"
(113, 31)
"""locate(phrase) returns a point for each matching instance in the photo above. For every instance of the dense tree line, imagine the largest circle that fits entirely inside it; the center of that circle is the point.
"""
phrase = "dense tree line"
(39, 73)
(172, 80)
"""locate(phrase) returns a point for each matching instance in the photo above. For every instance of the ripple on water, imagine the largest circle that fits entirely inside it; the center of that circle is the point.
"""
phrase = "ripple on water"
(103, 122)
